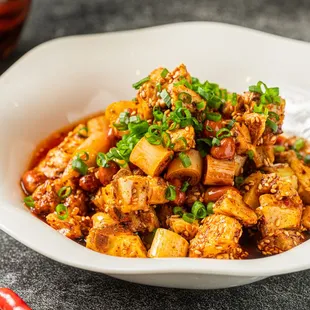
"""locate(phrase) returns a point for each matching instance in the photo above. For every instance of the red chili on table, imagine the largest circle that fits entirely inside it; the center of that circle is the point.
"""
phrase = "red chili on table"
(11, 301)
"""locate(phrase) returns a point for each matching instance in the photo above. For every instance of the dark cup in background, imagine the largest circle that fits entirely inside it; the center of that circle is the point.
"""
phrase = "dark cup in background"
(13, 14)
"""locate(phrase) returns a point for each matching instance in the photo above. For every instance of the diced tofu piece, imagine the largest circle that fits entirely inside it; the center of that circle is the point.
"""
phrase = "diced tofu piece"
(231, 204)
(280, 241)
(239, 163)
(70, 227)
(102, 219)
(305, 220)
(116, 241)
(132, 193)
(218, 172)
(98, 123)
(256, 124)
(58, 158)
(263, 155)
(243, 138)
(251, 196)
(157, 189)
(218, 237)
(151, 159)
(167, 243)
(268, 183)
(105, 197)
(187, 230)
(183, 139)
(302, 172)
(277, 214)
(304, 194)
(284, 172)
(140, 221)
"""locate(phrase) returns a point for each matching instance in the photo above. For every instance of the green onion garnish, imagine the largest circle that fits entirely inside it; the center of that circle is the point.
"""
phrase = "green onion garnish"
(273, 115)
(199, 210)
(62, 211)
(208, 128)
(166, 97)
(250, 154)
(185, 97)
(29, 202)
(166, 141)
(307, 159)
(184, 187)
(78, 163)
(216, 142)
(234, 99)
(183, 81)
(214, 116)
(186, 162)
(178, 211)
(201, 105)
(164, 73)
(184, 142)
(210, 207)
(223, 133)
(64, 192)
(83, 132)
(158, 114)
(299, 144)
(272, 125)
(231, 123)
(188, 217)
(170, 193)
(279, 148)
(203, 146)
(102, 160)
(158, 87)
(140, 83)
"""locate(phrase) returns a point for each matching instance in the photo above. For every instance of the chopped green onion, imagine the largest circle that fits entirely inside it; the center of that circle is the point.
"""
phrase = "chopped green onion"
(223, 133)
(185, 97)
(78, 163)
(153, 135)
(234, 99)
(170, 193)
(188, 217)
(184, 187)
(83, 132)
(178, 211)
(210, 207)
(299, 156)
(299, 144)
(208, 128)
(64, 192)
(183, 81)
(199, 210)
(102, 160)
(216, 142)
(141, 82)
(213, 116)
(238, 181)
(158, 87)
(29, 202)
(272, 125)
(250, 154)
(62, 211)
(166, 139)
(273, 115)
(178, 104)
(164, 73)
(183, 140)
(158, 114)
(231, 123)
(153, 139)
(307, 159)
(203, 145)
(279, 148)
(197, 125)
(186, 162)
(166, 97)
(200, 105)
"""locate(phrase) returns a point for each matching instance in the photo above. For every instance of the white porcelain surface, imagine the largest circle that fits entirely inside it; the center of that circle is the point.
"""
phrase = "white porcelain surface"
(66, 79)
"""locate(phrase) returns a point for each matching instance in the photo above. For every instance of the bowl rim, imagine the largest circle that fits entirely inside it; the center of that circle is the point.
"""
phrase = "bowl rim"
(293, 260)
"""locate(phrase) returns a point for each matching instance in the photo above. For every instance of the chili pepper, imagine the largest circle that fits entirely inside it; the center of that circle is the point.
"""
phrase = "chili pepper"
(11, 301)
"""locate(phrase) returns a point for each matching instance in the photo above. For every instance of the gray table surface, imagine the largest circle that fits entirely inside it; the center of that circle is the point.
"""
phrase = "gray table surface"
(45, 284)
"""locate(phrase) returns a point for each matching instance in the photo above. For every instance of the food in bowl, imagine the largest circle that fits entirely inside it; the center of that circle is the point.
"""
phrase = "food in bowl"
(185, 169)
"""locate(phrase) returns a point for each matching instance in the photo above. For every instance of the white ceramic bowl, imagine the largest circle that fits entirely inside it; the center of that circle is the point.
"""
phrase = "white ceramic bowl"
(66, 79)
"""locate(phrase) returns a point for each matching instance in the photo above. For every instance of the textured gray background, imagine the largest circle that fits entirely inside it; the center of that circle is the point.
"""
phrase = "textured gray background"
(45, 284)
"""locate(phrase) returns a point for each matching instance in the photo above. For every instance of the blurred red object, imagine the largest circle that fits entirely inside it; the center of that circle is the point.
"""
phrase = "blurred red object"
(13, 14)
(9, 300)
